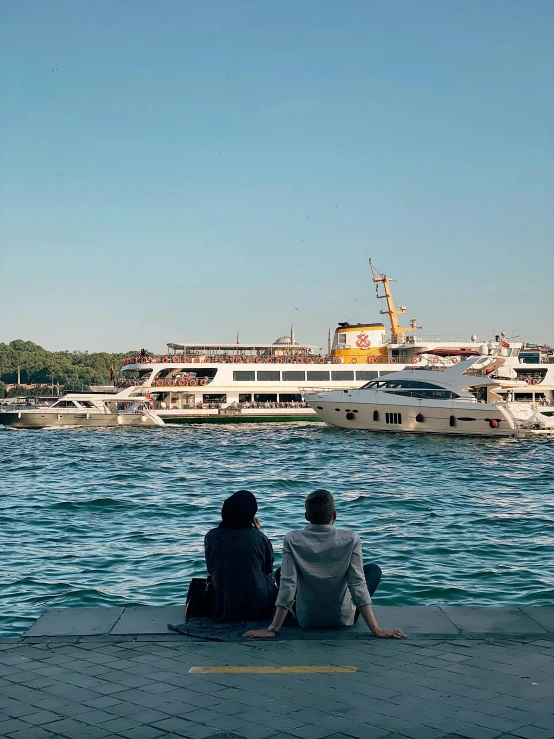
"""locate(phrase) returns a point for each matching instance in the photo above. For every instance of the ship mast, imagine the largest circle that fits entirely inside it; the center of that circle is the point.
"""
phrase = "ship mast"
(392, 311)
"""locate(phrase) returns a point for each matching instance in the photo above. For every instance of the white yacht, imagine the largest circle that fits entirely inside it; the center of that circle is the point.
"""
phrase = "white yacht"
(77, 409)
(460, 400)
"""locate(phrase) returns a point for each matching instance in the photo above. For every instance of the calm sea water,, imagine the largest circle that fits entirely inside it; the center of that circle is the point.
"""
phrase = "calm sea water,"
(94, 517)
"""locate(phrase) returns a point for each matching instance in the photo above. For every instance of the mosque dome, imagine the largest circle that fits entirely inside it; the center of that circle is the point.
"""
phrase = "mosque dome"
(285, 341)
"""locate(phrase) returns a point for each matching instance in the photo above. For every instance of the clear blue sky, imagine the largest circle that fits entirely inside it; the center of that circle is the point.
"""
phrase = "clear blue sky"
(191, 168)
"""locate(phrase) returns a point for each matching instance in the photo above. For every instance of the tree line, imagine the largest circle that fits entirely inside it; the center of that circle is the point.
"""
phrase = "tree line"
(67, 370)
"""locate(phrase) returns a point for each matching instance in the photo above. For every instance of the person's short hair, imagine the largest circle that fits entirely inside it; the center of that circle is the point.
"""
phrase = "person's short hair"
(320, 506)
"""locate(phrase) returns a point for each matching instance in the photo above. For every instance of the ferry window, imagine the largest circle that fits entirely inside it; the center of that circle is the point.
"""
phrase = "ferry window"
(269, 376)
(214, 398)
(342, 375)
(314, 375)
(245, 397)
(243, 376)
(393, 417)
(366, 375)
(296, 376)
(86, 403)
(342, 338)
(62, 404)
(265, 397)
(290, 398)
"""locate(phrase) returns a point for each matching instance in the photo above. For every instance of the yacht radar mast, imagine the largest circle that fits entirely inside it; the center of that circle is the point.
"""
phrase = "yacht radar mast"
(392, 311)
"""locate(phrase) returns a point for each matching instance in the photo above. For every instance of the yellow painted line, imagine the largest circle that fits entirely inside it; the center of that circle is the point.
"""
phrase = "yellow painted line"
(267, 670)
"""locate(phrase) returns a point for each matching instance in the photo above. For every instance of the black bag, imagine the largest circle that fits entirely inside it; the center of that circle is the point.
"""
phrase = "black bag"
(200, 598)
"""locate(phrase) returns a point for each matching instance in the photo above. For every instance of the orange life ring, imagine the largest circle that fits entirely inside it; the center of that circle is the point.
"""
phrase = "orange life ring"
(321, 360)
(534, 382)
(175, 359)
(181, 383)
(298, 360)
(151, 406)
(170, 383)
(353, 360)
(279, 360)
(393, 360)
(192, 382)
(455, 360)
(309, 360)
(248, 360)
(288, 360)
(148, 396)
(371, 360)
(203, 381)
(258, 360)
(159, 383)
(415, 361)
(165, 360)
(436, 360)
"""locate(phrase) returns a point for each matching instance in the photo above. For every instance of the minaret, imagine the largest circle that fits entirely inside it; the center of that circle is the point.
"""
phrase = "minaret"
(292, 339)
(329, 341)
(238, 336)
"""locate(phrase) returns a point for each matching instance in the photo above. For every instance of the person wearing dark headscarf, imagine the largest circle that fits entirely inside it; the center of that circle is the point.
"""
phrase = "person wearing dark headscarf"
(239, 558)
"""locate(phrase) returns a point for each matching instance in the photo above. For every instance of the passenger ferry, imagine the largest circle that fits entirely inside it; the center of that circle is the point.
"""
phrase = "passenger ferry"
(222, 383)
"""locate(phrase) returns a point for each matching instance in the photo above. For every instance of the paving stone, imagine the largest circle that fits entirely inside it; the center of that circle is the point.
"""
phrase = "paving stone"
(66, 621)
(476, 732)
(144, 732)
(12, 724)
(33, 732)
(492, 620)
(310, 732)
(148, 620)
(534, 732)
(40, 717)
(543, 615)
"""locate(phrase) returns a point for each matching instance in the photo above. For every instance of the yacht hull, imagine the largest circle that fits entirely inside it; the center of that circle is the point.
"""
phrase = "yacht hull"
(457, 421)
(37, 420)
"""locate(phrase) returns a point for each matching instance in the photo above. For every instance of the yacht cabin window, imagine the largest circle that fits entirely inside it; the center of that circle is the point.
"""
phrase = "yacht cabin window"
(412, 389)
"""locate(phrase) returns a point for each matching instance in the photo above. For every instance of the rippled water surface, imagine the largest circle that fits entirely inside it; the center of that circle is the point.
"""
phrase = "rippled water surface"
(94, 517)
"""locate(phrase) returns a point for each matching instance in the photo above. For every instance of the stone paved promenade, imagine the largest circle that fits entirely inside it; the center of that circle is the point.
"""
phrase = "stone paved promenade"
(462, 684)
